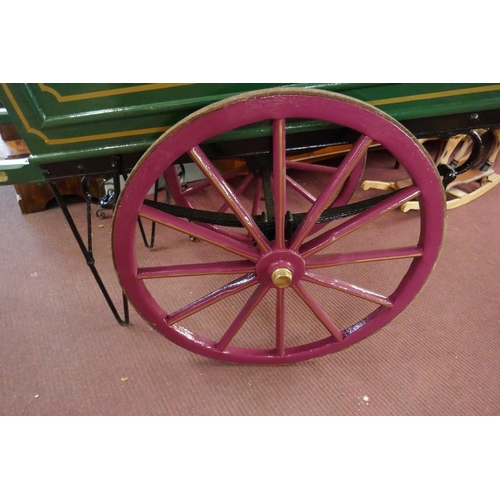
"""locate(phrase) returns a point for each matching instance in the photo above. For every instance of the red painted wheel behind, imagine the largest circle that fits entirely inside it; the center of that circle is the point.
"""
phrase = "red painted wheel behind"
(278, 104)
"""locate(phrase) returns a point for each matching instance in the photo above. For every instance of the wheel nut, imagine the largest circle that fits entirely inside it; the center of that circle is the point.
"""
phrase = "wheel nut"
(282, 277)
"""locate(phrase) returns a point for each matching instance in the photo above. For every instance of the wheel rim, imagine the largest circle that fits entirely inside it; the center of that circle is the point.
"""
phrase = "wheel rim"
(278, 269)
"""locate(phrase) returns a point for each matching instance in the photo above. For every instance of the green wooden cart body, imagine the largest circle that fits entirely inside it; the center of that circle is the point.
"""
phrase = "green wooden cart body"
(68, 122)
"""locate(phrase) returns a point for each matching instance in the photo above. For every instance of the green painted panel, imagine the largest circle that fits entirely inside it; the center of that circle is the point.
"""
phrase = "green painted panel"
(69, 121)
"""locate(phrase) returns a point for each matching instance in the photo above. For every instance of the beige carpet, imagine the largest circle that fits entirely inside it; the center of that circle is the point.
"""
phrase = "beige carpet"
(62, 352)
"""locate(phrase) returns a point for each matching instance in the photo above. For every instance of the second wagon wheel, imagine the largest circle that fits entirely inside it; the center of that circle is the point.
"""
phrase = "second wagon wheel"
(294, 282)
(251, 185)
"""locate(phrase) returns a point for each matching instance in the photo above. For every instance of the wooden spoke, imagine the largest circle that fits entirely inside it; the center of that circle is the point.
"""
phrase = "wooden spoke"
(280, 321)
(389, 204)
(203, 184)
(342, 286)
(299, 189)
(256, 197)
(247, 309)
(357, 154)
(338, 259)
(279, 178)
(313, 305)
(206, 166)
(200, 232)
(184, 270)
(238, 192)
(311, 167)
(211, 298)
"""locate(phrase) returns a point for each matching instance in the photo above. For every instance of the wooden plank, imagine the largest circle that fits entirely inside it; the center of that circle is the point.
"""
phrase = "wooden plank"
(11, 143)
(14, 149)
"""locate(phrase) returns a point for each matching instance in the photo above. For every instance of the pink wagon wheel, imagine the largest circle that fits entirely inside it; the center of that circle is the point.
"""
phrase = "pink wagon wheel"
(273, 288)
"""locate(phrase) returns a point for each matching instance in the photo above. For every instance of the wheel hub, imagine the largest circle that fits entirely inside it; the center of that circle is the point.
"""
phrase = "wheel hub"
(280, 268)
(282, 277)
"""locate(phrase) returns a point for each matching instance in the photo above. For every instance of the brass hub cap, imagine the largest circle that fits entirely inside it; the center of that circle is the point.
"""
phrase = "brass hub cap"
(282, 277)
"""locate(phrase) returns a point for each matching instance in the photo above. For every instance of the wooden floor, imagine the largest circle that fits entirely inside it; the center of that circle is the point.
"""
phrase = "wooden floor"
(63, 353)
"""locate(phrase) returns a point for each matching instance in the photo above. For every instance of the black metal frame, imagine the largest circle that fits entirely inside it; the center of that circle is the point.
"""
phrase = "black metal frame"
(91, 169)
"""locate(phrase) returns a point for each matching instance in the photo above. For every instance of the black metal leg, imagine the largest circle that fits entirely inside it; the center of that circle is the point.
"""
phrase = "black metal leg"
(88, 254)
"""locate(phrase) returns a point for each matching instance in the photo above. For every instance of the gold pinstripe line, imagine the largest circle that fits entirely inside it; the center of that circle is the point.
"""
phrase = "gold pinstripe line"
(110, 92)
(434, 95)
